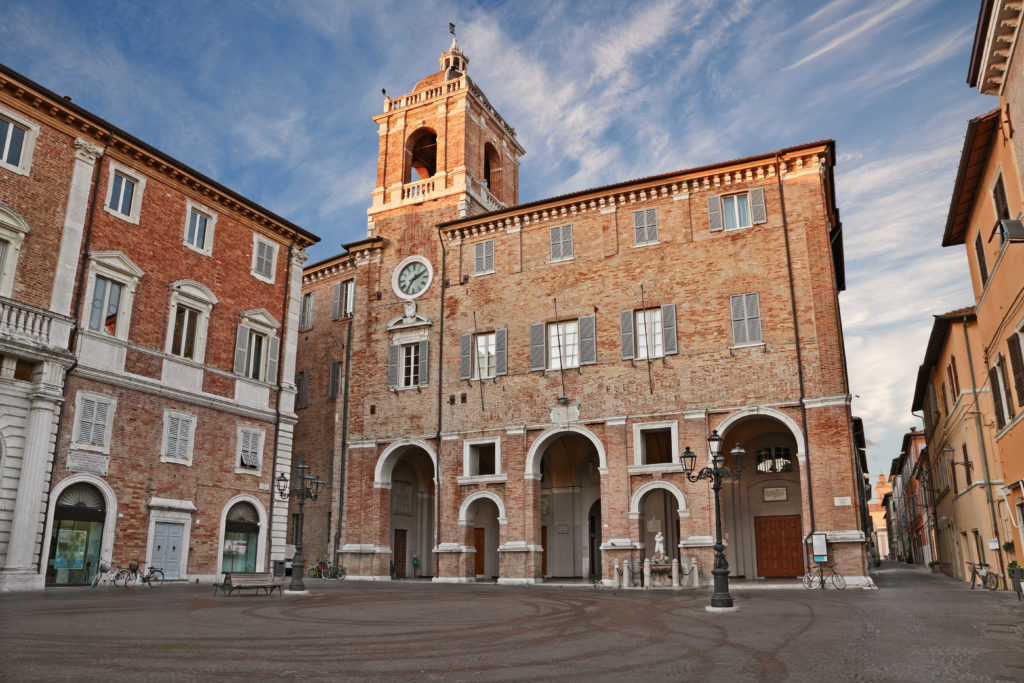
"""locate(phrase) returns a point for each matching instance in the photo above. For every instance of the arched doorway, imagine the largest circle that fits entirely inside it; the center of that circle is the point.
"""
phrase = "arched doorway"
(411, 528)
(570, 494)
(659, 513)
(76, 536)
(421, 155)
(484, 531)
(239, 554)
(761, 512)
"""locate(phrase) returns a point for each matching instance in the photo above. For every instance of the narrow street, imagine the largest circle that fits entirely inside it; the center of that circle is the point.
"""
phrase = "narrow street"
(916, 627)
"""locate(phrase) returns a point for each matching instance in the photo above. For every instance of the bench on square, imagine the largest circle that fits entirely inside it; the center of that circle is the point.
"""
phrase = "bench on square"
(236, 582)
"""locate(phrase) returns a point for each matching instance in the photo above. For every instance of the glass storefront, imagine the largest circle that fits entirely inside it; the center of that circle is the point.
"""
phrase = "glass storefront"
(76, 537)
(241, 536)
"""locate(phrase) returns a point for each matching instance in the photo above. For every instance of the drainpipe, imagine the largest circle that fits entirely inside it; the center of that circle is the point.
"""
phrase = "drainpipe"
(796, 333)
(277, 399)
(344, 439)
(984, 452)
(440, 403)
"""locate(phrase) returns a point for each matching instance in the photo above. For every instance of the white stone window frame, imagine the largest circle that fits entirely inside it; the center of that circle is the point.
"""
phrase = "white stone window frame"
(191, 419)
(113, 169)
(239, 468)
(113, 265)
(111, 402)
(13, 229)
(28, 147)
(194, 295)
(639, 454)
(261, 322)
(211, 224)
(467, 461)
(258, 239)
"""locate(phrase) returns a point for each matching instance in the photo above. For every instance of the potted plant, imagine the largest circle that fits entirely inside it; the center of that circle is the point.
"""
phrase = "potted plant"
(1008, 546)
(934, 566)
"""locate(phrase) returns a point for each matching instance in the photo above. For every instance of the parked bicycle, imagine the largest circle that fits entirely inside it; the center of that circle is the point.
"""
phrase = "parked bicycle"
(324, 570)
(154, 576)
(107, 572)
(816, 579)
(986, 578)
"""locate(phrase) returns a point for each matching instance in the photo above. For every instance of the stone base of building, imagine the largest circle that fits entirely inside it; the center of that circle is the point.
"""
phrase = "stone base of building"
(21, 580)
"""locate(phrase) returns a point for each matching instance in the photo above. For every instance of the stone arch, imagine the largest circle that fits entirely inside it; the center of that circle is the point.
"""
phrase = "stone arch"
(261, 542)
(473, 497)
(387, 460)
(420, 155)
(634, 503)
(110, 516)
(536, 449)
(762, 411)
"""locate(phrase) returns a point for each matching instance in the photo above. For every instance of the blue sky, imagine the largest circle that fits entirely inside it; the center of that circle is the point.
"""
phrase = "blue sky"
(275, 99)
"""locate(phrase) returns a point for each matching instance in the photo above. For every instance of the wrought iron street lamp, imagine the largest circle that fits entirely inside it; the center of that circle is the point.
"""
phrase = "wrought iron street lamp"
(715, 473)
(303, 486)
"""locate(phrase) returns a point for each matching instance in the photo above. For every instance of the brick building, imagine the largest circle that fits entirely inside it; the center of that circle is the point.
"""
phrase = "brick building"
(148, 314)
(502, 391)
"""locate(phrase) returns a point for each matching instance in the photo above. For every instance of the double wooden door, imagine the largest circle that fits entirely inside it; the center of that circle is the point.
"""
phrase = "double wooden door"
(778, 546)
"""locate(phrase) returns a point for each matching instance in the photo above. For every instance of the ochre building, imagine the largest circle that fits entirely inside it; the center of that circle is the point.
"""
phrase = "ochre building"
(503, 391)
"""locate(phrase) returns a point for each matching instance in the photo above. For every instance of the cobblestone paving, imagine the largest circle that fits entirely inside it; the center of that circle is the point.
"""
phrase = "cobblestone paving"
(916, 627)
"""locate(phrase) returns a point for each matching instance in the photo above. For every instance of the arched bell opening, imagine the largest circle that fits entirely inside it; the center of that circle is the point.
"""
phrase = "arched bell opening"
(421, 155)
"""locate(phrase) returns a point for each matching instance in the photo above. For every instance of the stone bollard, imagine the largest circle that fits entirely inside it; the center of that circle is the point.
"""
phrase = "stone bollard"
(647, 574)
(616, 571)
(694, 572)
(675, 573)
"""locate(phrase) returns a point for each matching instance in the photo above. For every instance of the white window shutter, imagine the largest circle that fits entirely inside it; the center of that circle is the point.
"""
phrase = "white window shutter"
(500, 352)
(739, 323)
(753, 314)
(85, 420)
(424, 362)
(758, 213)
(639, 227)
(479, 254)
(350, 297)
(567, 241)
(172, 436)
(393, 364)
(626, 335)
(489, 256)
(537, 347)
(273, 349)
(241, 349)
(715, 213)
(336, 305)
(556, 243)
(588, 340)
(466, 356)
(99, 424)
(668, 329)
(652, 225)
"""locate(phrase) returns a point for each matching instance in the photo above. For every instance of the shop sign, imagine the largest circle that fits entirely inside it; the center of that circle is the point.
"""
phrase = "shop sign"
(70, 549)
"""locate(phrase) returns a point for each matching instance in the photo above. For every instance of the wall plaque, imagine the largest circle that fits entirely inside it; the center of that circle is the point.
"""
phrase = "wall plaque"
(653, 526)
(843, 501)
(90, 463)
(775, 494)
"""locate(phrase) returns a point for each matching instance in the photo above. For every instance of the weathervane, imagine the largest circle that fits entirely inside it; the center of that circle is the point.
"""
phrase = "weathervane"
(451, 29)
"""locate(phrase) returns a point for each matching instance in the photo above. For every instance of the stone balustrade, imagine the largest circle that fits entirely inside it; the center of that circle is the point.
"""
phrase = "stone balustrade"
(26, 324)
(418, 190)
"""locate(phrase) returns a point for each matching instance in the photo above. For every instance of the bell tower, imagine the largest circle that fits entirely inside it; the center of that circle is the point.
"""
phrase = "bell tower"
(443, 149)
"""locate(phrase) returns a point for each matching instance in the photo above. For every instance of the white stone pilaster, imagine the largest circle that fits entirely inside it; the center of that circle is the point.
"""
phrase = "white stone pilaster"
(86, 155)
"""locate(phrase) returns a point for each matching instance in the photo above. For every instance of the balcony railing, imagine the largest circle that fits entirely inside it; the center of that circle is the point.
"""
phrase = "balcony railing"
(418, 190)
(23, 323)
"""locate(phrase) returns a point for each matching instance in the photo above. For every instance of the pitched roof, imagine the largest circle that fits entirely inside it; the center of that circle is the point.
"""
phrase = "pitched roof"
(977, 143)
(940, 329)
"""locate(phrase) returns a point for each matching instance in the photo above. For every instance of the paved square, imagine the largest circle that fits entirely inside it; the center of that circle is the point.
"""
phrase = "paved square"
(917, 627)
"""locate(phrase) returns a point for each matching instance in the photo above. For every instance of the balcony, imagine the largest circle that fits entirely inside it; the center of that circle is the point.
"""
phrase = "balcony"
(28, 326)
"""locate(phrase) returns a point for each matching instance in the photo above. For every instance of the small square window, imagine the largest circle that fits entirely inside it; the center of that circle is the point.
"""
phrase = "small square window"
(199, 226)
(655, 445)
(481, 458)
(774, 460)
(124, 193)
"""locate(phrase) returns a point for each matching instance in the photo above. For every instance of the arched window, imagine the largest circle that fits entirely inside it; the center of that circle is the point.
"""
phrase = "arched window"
(421, 152)
(241, 538)
(492, 169)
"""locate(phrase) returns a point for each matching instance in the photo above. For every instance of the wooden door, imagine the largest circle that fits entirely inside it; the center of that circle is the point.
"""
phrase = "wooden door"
(399, 553)
(479, 542)
(778, 546)
(543, 551)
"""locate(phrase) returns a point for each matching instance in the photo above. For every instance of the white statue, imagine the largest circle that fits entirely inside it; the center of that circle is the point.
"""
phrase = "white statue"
(659, 544)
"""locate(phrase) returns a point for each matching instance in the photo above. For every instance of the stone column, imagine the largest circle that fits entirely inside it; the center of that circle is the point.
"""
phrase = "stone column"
(64, 279)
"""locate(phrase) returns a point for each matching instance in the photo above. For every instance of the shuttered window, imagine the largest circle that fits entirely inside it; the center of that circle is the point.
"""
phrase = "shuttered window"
(178, 436)
(645, 226)
(1013, 345)
(302, 388)
(92, 421)
(333, 379)
(306, 314)
(249, 454)
(561, 345)
(256, 354)
(408, 364)
(746, 319)
(263, 262)
(561, 242)
(1002, 207)
(483, 257)
(731, 212)
(979, 250)
(648, 333)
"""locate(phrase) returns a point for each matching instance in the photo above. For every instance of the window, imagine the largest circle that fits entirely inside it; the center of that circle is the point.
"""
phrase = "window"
(306, 313)
(645, 226)
(568, 344)
(256, 347)
(264, 259)
(561, 243)
(109, 293)
(199, 228)
(302, 387)
(483, 356)
(191, 304)
(17, 140)
(483, 261)
(13, 229)
(979, 250)
(250, 450)
(656, 443)
(482, 458)
(746, 319)
(968, 477)
(774, 459)
(124, 193)
(1013, 345)
(407, 364)
(1001, 392)
(179, 429)
(94, 415)
(183, 337)
(649, 334)
(333, 379)
(344, 299)
(1002, 207)
(731, 212)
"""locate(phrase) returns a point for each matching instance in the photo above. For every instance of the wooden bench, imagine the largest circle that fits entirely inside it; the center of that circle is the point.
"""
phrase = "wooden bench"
(236, 582)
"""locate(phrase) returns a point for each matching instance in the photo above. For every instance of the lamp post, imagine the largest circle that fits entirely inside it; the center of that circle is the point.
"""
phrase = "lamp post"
(715, 473)
(305, 487)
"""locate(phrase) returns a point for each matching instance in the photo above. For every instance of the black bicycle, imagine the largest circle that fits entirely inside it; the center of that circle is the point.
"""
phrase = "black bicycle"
(986, 578)
(154, 576)
(816, 579)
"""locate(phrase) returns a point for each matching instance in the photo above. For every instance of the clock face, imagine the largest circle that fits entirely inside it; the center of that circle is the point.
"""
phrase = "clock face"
(413, 278)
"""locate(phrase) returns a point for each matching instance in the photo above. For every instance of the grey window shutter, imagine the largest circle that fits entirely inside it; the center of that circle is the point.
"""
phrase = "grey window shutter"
(639, 227)
(556, 243)
(652, 225)
(302, 378)
(626, 334)
(566, 241)
(668, 329)
(241, 349)
(330, 467)
(993, 381)
(500, 352)
(393, 361)
(424, 362)
(466, 356)
(758, 213)
(479, 251)
(753, 311)
(739, 322)
(715, 213)
(537, 346)
(85, 420)
(489, 255)
(275, 347)
(99, 425)
(1017, 365)
(332, 380)
(588, 340)
(336, 306)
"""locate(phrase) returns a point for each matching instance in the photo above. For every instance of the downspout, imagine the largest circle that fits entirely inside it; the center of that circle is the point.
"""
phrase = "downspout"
(277, 397)
(76, 316)
(344, 439)
(984, 452)
(440, 402)
(796, 333)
